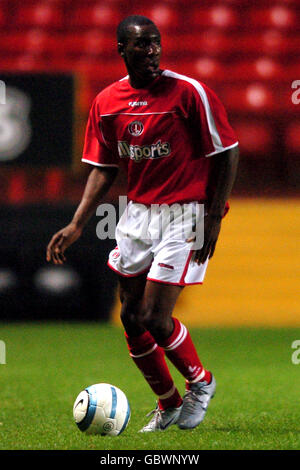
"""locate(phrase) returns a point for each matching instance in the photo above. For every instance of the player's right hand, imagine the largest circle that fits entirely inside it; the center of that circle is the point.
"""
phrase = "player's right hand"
(60, 242)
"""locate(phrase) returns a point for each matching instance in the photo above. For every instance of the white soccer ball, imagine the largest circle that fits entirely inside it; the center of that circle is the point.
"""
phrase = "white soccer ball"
(102, 409)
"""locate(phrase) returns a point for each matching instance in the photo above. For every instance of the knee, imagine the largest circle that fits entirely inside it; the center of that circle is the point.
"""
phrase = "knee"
(128, 308)
(158, 322)
(130, 316)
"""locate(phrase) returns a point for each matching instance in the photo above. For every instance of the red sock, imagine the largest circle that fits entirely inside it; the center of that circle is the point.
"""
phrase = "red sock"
(150, 359)
(179, 348)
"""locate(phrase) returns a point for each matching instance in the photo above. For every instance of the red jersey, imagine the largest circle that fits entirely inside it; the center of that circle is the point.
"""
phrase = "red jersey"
(164, 134)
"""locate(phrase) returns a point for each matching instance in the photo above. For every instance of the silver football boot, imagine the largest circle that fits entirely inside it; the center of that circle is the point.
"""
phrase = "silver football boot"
(162, 419)
(195, 403)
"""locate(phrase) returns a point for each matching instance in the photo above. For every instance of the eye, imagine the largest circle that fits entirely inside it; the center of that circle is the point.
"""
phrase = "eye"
(141, 43)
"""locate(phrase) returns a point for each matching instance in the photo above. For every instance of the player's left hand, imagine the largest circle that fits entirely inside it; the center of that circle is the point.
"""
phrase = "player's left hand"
(212, 226)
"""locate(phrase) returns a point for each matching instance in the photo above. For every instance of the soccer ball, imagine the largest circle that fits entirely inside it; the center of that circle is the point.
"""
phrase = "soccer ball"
(102, 409)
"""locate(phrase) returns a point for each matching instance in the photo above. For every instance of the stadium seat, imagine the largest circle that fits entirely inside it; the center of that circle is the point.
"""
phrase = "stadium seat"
(29, 63)
(100, 70)
(278, 16)
(3, 17)
(219, 16)
(45, 14)
(288, 98)
(210, 42)
(276, 42)
(292, 72)
(254, 137)
(204, 68)
(255, 98)
(166, 17)
(17, 187)
(91, 42)
(34, 41)
(263, 68)
(98, 15)
(292, 137)
(259, 97)
(200, 68)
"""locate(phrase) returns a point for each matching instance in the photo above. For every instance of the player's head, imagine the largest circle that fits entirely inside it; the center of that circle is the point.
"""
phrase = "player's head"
(139, 45)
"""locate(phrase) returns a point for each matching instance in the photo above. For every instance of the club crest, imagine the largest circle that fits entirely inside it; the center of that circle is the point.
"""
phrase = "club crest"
(136, 128)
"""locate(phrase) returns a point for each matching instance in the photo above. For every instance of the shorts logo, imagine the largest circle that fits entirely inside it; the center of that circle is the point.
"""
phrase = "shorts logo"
(163, 265)
(116, 254)
(136, 128)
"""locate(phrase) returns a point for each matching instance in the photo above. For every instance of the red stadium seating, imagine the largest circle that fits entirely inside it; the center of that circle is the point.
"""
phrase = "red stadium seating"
(277, 16)
(44, 14)
(92, 42)
(219, 16)
(237, 45)
(32, 41)
(275, 42)
(263, 68)
(254, 98)
(254, 137)
(292, 137)
(99, 71)
(3, 17)
(164, 16)
(247, 52)
(202, 68)
(208, 42)
(98, 15)
(29, 63)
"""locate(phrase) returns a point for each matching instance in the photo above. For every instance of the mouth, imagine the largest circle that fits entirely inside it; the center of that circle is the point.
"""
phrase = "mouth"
(152, 66)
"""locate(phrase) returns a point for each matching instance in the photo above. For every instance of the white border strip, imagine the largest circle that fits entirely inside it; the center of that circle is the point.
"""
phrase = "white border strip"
(99, 164)
(167, 394)
(137, 114)
(179, 339)
(223, 149)
(216, 139)
(145, 353)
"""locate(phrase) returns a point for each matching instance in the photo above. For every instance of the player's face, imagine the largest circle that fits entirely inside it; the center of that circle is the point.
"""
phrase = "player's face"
(142, 52)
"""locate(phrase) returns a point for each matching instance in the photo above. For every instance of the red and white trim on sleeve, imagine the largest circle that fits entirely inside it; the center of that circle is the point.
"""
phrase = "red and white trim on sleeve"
(214, 132)
(99, 164)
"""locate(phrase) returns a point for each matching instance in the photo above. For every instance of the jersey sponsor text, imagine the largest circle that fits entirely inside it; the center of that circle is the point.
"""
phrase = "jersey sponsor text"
(137, 153)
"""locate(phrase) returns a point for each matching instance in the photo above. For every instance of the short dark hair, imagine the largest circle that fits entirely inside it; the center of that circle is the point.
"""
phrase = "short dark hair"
(132, 20)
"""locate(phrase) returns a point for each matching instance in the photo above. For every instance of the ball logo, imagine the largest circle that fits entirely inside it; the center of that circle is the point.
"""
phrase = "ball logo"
(136, 128)
(108, 426)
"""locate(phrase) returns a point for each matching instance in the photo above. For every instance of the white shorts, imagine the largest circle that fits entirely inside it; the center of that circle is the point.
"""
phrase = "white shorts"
(150, 240)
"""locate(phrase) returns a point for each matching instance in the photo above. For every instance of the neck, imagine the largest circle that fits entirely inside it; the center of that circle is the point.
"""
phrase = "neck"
(137, 81)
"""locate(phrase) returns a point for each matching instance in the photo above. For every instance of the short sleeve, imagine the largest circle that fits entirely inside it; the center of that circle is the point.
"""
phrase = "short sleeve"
(210, 118)
(95, 149)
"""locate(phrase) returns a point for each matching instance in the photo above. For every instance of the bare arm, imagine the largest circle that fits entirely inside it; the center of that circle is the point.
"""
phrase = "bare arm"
(97, 185)
(225, 174)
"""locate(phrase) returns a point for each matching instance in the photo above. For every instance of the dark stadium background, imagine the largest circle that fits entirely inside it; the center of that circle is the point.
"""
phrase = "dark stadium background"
(60, 54)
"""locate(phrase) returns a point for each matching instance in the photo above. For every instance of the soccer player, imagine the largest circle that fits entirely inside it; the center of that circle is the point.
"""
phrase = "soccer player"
(172, 135)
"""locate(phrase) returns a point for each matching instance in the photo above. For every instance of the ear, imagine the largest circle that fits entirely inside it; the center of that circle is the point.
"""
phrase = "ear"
(121, 48)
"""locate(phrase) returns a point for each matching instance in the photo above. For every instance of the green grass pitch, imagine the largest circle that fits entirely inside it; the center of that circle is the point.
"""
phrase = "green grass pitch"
(47, 364)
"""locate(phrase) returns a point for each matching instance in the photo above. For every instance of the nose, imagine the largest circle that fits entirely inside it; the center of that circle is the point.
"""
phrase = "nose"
(152, 49)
